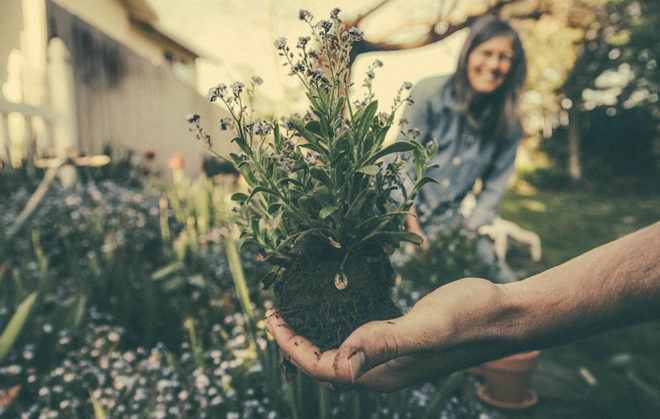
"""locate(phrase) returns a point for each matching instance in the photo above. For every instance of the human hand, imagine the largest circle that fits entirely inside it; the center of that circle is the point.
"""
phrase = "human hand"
(439, 335)
(412, 224)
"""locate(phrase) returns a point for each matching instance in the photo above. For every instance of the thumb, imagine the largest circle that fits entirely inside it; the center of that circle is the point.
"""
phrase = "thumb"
(368, 346)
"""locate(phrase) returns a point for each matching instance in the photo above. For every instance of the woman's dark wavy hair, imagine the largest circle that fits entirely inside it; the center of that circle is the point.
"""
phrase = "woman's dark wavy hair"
(501, 114)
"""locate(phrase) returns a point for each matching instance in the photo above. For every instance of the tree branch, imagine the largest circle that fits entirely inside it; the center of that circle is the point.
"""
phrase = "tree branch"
(366, 13)
(433, 35)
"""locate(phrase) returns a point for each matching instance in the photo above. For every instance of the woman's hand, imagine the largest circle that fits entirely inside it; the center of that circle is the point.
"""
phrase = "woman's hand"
(412, 224)
(390, 354)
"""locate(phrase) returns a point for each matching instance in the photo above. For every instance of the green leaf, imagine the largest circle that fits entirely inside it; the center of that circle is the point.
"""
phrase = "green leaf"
(327, 211)
(276, 136)
(243, 145)
(397, 147)
(321, 193)
(260, 189)
(366, 119)
(306, 204)
(313, 126)
(398, 236)
(369, 170)
(254, 226)
(323, 95)
(248, 241)
(383, 218)
(368, 142)
(338, 108)
(15, 325)
(99, 413)
(239, 197)
(419, 163)
(76, 312)
(343, 146)
(248, 175)
(321, 175)
(290, 180)
(312, 100)
(315, 147)
(272, 208)
(270, 168)
(294, 238)
(304, 132)
(326, 129)
(423, 181)
(296, 216)
(235, 159)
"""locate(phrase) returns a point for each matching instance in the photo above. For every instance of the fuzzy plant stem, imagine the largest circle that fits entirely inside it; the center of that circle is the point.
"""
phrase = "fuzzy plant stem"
(234, 260)
(197, 348)
(324, 403)
(444, 393)
(15, 325)
(31, 205)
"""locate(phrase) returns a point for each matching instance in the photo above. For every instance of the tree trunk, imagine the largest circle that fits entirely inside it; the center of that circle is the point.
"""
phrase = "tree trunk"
(574, 163)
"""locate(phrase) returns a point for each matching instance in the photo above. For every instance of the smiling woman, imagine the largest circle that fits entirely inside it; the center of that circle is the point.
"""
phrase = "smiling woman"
(473, 118)
(489, 63)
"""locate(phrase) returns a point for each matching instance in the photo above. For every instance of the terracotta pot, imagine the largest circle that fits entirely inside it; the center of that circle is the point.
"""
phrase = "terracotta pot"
(507, 381)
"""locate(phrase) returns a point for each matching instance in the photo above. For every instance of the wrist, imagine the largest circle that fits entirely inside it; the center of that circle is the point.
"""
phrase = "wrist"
(494, 319)
(508, 320)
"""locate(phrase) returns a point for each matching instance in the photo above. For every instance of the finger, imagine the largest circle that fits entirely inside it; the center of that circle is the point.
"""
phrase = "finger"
(425, 242)
(309, 358)
(302, 353)
(276, 325)
(370, 345)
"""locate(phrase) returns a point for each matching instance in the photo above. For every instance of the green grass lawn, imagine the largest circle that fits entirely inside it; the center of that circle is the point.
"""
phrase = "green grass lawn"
(570, 223)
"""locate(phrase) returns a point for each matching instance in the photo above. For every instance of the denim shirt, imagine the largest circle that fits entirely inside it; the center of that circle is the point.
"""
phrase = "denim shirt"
(463, 156)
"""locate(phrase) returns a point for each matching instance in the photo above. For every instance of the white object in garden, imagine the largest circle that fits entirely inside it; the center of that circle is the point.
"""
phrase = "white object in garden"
(62, 100)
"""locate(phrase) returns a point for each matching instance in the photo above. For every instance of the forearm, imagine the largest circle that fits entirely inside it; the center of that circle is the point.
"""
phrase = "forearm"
(617, 284)
(472, 320)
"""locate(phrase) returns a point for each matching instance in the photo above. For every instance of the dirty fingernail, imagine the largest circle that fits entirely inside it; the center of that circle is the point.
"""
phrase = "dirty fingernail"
(355, 364)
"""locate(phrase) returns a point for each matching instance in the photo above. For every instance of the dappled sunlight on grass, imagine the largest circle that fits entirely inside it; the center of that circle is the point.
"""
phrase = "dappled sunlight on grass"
(572, 222)
(535, 206)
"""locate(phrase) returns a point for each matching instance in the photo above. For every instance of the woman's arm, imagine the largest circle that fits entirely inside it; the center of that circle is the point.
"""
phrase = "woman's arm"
(473, 320)
(495, 183)
(412, 225)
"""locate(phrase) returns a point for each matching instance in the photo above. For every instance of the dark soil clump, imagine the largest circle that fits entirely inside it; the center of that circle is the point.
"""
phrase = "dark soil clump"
(308, 300)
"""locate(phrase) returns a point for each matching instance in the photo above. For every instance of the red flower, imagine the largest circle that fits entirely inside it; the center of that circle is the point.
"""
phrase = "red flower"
(176, 162)
(149, 155)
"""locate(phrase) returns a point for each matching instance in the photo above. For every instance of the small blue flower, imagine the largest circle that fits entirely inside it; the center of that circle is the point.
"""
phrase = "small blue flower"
(305, 15)
(280, 43)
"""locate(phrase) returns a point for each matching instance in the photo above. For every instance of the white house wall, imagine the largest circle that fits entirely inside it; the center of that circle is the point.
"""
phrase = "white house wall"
(120, 98)
(112, 18)
(11, 25)
(124, 101)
